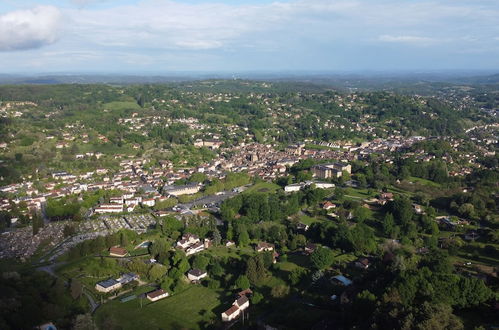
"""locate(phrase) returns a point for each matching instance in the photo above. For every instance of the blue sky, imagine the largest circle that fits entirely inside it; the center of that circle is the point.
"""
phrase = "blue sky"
(161, 36)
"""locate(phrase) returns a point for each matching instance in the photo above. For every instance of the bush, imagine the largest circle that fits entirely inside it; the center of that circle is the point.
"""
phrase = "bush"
(280, 291)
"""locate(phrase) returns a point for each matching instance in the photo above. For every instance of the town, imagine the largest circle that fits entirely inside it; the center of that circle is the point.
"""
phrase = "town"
(177, 207)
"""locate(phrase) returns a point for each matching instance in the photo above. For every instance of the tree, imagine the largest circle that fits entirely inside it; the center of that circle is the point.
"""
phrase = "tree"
(279, 291)
(200, 262)
(243, 282)
(361, 214)
(389, 225)
(217, 238)
(156, 272)
(243, 238)
(84, 322)
(76, 289)
(322, 258)
(37, 223)
(256, 298)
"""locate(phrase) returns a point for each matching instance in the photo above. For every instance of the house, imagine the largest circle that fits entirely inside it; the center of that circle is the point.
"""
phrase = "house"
(230, 243)
(302, 226)
(195, 248)
(309, 248)
(108, 285)
(239, 305)
(231, 314)
(246, 292)
(293, 187)
(242, 303)
(127, 278)
(386, 196)
(328, 205)
(418, 209)
(362, 263)
(117, 251)
(195, 275)
(264, 246)
(157, 295)
(149, 202)
(188, 240)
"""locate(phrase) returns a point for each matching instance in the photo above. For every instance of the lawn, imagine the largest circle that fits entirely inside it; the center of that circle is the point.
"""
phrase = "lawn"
(424, 182)
(262, 187)
(309, 220)
(185, 310)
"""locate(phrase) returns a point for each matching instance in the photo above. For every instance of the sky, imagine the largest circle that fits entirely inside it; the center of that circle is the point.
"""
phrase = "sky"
(165, 36)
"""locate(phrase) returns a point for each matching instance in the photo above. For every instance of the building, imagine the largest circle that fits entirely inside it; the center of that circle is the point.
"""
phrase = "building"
(231, 314)
(362, 263)
(195, 275)
(195, 248)
(242, 303)
(327, 171)
(109, 208)
(149, 202)
(293, 187)
(239, 305)
(157, 295)
(264, 246)
(127, 278)
(181, 190)
(108, 285)
(117, 251)
(309, 248)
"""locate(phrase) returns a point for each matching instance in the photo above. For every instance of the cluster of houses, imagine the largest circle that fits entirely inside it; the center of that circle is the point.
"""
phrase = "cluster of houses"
(128, 202)
(191, 244)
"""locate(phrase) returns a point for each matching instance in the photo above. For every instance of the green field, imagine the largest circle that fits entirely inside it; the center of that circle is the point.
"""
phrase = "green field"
(120, 105)
(262, 187)
(186, 310)
(424, 182)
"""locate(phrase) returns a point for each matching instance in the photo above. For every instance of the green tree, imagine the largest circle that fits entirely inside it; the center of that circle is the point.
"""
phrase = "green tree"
(157, 272)
(243, 238)
(243, 282)
(322, 258)
(389, 225)
(200, 262)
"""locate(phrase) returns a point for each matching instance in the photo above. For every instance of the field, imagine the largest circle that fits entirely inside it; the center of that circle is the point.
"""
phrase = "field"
(186, 310)
(263, 187)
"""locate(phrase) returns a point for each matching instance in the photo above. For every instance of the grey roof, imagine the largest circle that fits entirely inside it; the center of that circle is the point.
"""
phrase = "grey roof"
(108, 283)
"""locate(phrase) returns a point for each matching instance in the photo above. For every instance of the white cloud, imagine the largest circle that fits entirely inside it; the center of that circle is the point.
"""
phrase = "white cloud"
(28, 29)
(407, 39)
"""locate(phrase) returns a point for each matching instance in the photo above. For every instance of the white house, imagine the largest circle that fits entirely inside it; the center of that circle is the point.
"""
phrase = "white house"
(195, 275)
(108, 285)
(157, 295)
(231, 314)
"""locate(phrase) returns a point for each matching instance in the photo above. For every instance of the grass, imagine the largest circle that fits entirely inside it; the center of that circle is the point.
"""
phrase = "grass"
(424, 182)
(117, 105)
(262, 187)
(305, 219)
(183, 310)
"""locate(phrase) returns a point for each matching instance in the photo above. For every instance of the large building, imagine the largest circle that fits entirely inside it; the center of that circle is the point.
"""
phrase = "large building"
(108, 285)
(327, 171)
(181, 190)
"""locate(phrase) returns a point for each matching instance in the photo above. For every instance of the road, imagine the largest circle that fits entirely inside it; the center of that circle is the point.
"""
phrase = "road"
(212, 199)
